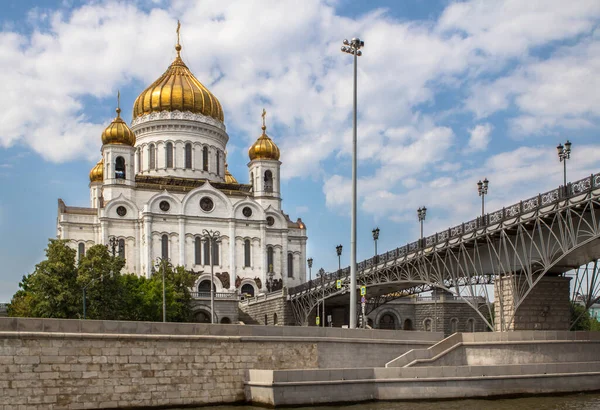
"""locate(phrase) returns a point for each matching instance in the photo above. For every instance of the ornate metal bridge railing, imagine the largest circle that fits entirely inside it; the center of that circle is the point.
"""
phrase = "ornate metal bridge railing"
(558, 221)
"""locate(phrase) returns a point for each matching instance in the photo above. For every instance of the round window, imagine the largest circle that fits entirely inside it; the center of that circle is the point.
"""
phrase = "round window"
(121, 211)
(270, 221)
(207, 204)
(247, 211)
(164, 206)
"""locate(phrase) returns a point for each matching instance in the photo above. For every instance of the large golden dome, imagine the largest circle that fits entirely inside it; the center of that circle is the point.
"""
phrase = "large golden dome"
(118, 132)
(97, 173)
(264, 147)
(178, 90)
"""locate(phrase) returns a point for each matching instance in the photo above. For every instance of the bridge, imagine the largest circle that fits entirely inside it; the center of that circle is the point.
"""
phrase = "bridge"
(551, 235)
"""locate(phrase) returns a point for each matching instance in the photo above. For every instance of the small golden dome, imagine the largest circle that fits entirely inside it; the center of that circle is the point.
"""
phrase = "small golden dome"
(264, 147)
(118, 132)
(178, 90)
(229, 179)
(97, 173)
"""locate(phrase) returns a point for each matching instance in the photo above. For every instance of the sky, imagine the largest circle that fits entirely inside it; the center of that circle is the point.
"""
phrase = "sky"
(449, 92)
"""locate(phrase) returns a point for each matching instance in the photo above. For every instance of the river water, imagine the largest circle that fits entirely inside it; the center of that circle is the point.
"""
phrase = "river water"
(571, 402)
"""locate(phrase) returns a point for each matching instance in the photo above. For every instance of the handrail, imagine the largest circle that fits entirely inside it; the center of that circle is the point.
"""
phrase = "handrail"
(499, 218)
(218, 295)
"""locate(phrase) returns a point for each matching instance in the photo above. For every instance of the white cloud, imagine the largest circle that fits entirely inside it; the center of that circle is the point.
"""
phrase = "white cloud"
(479, 137)
(287, 59)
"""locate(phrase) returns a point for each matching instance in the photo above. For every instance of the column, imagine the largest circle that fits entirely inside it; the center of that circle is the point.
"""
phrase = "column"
(232, 265)
(136, 248)
(263, 253)
(104, 231)
(182, 241)
(284, 250)
(148, 241)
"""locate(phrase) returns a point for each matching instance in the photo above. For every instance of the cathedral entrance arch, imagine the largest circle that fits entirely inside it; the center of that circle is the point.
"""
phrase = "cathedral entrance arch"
(248, 290)
(204, 286)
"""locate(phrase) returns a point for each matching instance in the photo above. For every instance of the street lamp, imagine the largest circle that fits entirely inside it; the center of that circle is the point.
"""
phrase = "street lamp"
(163, 263)
(321, 274)
(112, 245)
(212, 237)
(375, 237)
(338, 250)
(482, 188)
(310, 262)
(564, 153)
(421, 213)
(353, 47)
(87, 286)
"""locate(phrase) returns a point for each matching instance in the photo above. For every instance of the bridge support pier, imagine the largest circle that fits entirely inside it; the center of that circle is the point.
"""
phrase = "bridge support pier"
(546, 307)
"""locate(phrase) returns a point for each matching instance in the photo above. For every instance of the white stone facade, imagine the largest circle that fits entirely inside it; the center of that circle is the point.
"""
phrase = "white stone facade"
(179, 160)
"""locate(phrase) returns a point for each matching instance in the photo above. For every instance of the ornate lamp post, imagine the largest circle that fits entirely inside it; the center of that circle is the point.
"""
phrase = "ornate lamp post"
(338, 250)
(564, 153)
(113, 243)
(163, 263)
(212, 237)
(321, 274)
(353, 47)
(310, 262)
(482, 188)
(421, 213)
(375, 238)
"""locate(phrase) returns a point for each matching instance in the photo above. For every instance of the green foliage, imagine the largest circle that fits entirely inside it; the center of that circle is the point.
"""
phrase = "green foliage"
(55, 288)
(48, 291)
(581, 318)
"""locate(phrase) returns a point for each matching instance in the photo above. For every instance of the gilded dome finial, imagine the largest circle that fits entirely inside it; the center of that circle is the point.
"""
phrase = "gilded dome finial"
(264, 147)
(178, 46)
(118, 104)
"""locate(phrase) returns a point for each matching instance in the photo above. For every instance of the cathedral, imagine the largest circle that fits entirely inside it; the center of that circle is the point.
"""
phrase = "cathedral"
(162, 184)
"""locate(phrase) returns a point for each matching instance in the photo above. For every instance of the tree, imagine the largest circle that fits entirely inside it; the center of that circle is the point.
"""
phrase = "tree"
(55, 288)
(99, 273)
(580, 317)
(50, 291)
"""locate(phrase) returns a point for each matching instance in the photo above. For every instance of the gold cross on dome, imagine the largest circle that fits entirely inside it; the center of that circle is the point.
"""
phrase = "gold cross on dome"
(178, 28)
(264, 116)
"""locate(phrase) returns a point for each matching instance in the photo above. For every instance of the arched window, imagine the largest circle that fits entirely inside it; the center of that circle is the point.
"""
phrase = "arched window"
(252, 179)
(266, 320)
(248, 290)
(427, 325)
(407, 325)
(81, 251)
(120, 168)
(197, 250)
(205, 159)
(453, 325)
(268, 181)
(387, 321)
(471, 325)
(270, 259)
(275, 318)
(139, 159)
(247, 253)
(164, 246)
(152, 157)
(206, 253)
(225, 321)
(121, 248)
(218, 163)
(169, 154)
(290, 262)
(215, 259)
(188, 156)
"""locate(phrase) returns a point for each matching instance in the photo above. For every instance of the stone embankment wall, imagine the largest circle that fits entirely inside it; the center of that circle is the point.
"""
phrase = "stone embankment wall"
(72, 364)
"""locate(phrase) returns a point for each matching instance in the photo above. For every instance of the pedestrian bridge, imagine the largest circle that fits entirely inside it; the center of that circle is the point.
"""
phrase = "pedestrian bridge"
(546, 235)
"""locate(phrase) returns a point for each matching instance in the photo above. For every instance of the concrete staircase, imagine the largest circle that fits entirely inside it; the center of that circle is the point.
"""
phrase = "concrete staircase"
(246, 318)
(460, 366)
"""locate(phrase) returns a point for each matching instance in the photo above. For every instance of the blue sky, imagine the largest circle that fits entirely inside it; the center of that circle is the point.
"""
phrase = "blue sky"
(449, 93)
